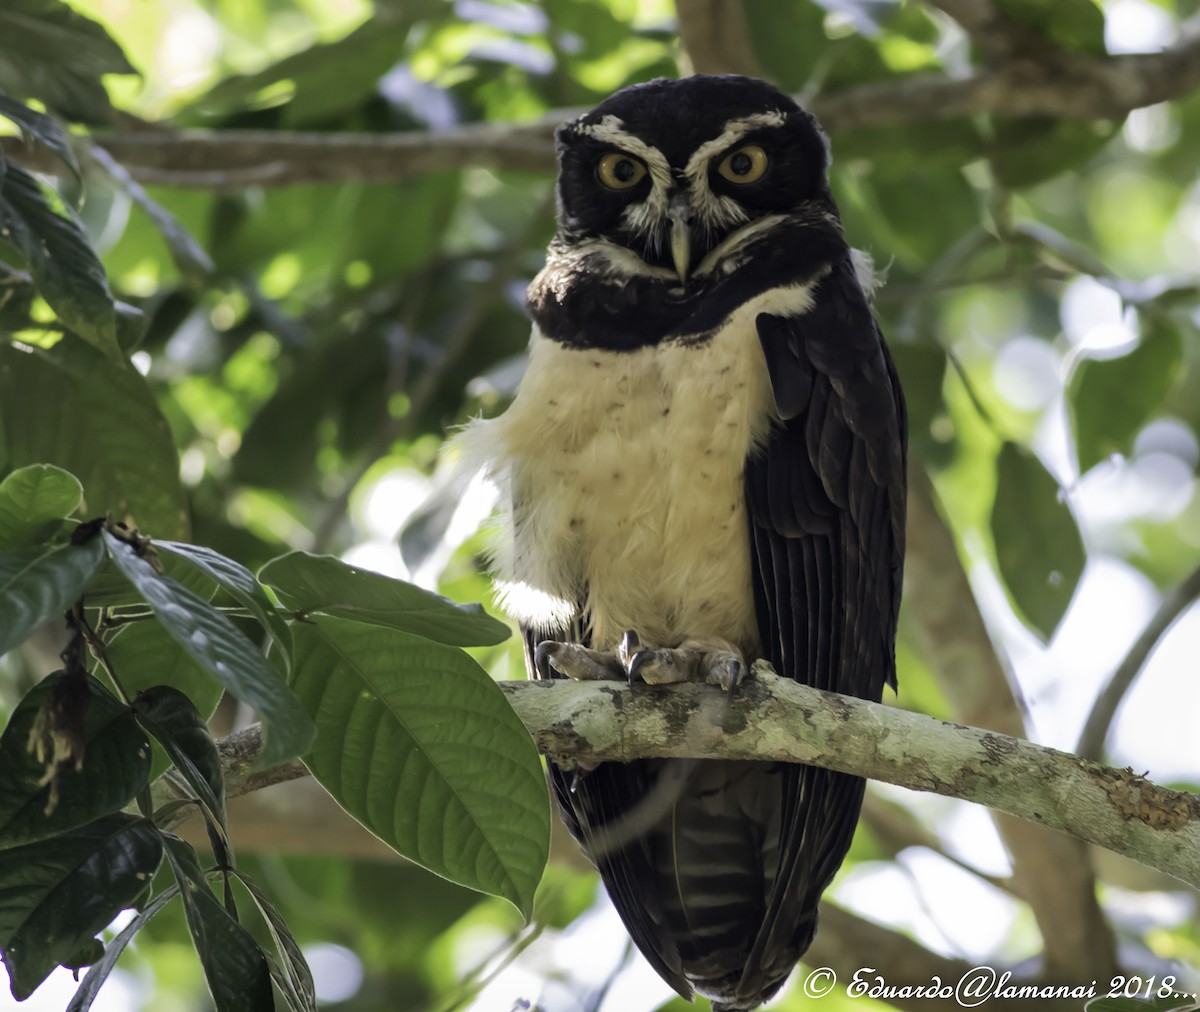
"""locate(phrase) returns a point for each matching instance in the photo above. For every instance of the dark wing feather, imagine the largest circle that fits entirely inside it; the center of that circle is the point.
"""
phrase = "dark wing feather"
(826, 503)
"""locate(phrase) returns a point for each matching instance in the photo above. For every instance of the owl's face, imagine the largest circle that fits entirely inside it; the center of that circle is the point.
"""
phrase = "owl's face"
(679, 178)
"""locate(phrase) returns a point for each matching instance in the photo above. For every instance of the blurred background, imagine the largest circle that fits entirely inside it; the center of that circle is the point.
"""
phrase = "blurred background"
(342, 286)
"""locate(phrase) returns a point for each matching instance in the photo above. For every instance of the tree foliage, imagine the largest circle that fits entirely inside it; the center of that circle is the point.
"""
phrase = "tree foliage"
(258, 258)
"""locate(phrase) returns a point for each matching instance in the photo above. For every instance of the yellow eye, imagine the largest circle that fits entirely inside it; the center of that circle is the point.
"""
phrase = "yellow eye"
(619, 171)
(745, 165)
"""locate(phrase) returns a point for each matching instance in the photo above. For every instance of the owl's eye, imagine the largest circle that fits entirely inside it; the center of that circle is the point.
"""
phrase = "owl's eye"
(745, 165)
(620, 172)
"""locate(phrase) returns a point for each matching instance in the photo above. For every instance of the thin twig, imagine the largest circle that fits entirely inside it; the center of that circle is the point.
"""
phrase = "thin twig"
(1104, 710)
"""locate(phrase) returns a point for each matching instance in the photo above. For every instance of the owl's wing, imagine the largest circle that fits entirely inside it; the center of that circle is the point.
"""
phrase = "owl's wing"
(825, 498)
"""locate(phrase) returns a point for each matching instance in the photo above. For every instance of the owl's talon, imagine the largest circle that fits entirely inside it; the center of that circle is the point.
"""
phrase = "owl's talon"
(637, 662)
(541, 658)
(630, 645)
(726, 671)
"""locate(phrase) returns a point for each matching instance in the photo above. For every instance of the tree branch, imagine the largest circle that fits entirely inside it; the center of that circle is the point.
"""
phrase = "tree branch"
(777, 719)
(1053, 873)
(1104, 710)
(1072, 87)
(781, 720)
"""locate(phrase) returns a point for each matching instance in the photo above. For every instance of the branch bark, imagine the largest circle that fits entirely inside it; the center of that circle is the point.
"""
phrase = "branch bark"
(1071, 87)
(1053, 873)
(777, 719)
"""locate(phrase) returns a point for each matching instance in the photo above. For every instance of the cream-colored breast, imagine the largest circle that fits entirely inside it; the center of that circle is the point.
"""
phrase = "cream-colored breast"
(624, 471)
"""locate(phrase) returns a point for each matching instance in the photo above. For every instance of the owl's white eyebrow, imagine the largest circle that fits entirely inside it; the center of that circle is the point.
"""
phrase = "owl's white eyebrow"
(611, 130)
(734, 130)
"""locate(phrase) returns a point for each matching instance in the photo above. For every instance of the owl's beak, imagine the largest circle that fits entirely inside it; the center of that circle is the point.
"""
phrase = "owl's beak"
(680, 214)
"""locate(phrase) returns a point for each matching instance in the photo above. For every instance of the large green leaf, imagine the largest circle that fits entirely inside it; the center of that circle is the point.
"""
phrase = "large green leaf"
(99, 420)
(51, 52)
(418, 743)
(1111, 399)
(33, 499)
(116, 765)
(1072, 24)
(144, 654)
(321, 583)
(234, 966)
(176, 724)
(193, 262)
(38, 584)
(40, 127)
(217, 644)
(241, 585)
(1025, 152)
(86, 993)
(57, 894)
(326, 79)
(1038, 547)
(66, 270)
(295, 979)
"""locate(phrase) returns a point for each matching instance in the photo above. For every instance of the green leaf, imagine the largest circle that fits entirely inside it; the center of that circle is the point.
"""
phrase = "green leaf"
(105, 428)
(37, 585)
(1038, 547)
(195, 265)
(58, 893)
(40, 127)
(240, 583)
(922, 369)
(144, 655)
(320, 583)
(90, 952)
(51, 52)
(116, 765)
(899, 204)
(419, 744)
(1072, 24)
(324, 80)
(31, 500)
(66, 270)
(111, 589)
(234, 966)
(296, 981)
(176, 724)
(86, 993)
(1111, 399)
(218, 645)
(1029, 151)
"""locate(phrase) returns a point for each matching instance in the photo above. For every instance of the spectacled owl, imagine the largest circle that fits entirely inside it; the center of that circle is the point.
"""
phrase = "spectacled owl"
(704, 464)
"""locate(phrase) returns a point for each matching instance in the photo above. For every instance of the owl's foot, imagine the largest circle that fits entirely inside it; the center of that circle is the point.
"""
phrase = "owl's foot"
(713, 661)
(575, 661)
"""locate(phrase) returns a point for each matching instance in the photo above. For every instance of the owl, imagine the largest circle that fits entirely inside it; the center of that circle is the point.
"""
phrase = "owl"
(704, 465)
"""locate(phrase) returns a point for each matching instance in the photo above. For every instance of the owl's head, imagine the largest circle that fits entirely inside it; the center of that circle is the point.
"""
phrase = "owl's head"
(680, 177)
